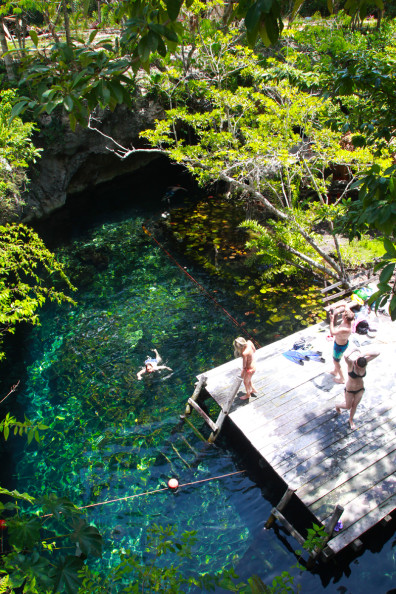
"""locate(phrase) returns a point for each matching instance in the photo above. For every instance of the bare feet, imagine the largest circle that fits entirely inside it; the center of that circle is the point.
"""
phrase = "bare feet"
(352, 425)
(246, 397)
(339, 380)
(338, 410)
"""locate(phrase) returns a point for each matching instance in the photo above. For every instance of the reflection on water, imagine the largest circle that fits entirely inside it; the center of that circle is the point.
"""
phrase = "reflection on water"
(112, 436)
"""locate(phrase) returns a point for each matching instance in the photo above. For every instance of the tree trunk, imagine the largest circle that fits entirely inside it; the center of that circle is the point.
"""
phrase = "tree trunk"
(380, 14)
(99, 12)
(67, 22)
(283, 216)
(8, 61)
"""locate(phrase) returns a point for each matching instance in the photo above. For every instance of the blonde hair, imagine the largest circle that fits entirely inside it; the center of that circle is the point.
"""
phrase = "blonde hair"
(239, 345)
(349, 314)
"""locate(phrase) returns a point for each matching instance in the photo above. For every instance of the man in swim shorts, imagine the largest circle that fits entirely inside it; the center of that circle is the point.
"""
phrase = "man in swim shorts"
(151, 365)
(341, 336)
(246, 349)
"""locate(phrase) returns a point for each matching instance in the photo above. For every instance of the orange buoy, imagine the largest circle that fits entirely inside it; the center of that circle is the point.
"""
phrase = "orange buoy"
(173, 483)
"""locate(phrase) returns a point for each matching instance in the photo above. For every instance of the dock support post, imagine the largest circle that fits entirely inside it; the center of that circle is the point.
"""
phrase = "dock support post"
(225, 410)
(201, 383)
(329, 531)
(282, 503)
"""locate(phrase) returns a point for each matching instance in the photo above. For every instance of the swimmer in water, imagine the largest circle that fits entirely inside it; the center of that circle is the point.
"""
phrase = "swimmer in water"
(151, 365)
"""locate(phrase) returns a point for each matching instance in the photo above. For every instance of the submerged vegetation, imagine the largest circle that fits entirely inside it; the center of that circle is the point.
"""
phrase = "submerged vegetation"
(294, 127)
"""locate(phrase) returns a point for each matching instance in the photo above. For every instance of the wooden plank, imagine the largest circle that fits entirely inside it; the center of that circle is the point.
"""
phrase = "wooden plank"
(373, 498)
(333, 286)
(301, 462)
(322, 463)
(372, 518)
(339, 294)
(203, 414)
(299, 445)
(346, 470)
(354, 487)
(372, 279)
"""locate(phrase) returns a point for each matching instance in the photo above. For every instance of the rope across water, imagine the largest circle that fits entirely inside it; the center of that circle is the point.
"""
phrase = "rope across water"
(206, 293)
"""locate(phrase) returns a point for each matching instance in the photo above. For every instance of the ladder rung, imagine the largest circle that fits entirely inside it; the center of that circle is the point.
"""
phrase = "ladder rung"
(203, 414)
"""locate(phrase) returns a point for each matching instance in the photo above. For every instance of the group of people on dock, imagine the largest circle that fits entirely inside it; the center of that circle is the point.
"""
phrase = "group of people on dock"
(356, 366)
(356, 362)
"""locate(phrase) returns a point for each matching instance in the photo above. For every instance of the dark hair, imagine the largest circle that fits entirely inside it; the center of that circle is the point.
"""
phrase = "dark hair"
(361, 361)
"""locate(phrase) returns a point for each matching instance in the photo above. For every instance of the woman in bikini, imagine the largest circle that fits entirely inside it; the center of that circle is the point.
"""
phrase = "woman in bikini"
(354, 387)
(246, 349)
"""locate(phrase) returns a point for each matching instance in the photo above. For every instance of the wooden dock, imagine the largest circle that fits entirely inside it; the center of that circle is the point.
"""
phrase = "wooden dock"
(293, 424)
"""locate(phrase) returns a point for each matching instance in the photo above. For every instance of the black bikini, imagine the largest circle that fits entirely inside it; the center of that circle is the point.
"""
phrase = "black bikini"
(354, 391)
(354, 375)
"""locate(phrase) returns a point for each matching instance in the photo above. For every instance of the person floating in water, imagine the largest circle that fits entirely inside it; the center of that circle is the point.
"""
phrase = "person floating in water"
(171, 191)
(151, 365)
(341, 339)
(246, 349)
(354, 387)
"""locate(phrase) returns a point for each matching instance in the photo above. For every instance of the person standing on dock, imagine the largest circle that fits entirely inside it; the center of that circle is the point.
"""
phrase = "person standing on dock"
(354, 387)
(341, 336)
(246, 349)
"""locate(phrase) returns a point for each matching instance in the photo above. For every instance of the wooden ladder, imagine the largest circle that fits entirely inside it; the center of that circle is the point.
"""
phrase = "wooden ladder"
(225, 409)
(276, 514)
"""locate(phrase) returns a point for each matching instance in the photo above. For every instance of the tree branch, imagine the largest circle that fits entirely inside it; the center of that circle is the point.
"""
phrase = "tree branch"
(122, 152)
(14, 387)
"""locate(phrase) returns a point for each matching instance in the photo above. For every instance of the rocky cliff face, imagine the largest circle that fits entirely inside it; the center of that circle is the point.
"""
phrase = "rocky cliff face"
(72, 162)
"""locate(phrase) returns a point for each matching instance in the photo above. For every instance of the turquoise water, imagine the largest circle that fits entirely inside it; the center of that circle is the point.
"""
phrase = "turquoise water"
(112, 436)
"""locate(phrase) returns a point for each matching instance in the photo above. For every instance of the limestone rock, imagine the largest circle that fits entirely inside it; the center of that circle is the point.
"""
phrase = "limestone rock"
(72, 162)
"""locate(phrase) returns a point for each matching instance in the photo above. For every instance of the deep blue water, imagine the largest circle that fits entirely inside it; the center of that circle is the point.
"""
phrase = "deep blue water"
(112, 436)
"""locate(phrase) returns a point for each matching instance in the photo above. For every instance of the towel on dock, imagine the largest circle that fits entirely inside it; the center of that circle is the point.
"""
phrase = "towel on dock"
(300, 356)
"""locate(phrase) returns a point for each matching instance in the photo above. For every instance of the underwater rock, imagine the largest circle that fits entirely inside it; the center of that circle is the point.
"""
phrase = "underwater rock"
(95, 256)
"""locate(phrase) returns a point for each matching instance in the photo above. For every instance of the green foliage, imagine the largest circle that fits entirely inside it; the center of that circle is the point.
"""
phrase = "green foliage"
(270, 245)
(77, 77)
(34, 564)
(358, 9)
(360, 251)
(156, 571)
(316, 537)
(30, 562)
(386, 286)
(376, 205)
(375, 208)
(28, 428)
(356, 71)
(28, 271)
(269, 140)
(17, 151)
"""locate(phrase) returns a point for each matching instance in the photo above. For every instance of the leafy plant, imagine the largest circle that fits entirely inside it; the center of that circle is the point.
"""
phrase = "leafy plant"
(31, 561)
(316, 537)
(30, 429)
(17, 152)
(26, 266)
(269, 142)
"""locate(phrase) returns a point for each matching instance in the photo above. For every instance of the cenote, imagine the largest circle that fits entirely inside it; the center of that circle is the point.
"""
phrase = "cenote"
(111, 436)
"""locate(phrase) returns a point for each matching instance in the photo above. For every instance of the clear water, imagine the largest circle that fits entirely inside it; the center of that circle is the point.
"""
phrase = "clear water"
(112, 436)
